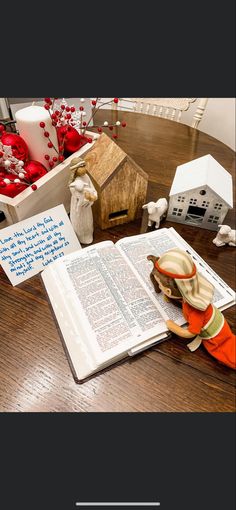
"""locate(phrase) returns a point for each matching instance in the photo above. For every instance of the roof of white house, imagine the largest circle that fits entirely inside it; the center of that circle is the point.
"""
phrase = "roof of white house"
(201, 172)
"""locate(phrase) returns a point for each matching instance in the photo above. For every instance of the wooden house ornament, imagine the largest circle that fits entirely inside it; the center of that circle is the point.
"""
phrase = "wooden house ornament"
(201, 194)
(120, 183)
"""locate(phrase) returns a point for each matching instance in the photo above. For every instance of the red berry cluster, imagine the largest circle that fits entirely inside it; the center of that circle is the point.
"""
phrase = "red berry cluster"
(53, 160)
(62, 117)
(106, 124)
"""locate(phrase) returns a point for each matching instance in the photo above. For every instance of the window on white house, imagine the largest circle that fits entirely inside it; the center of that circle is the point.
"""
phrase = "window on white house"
(177, 212)
(205, 203)
(181, 199)
(213, 219)
(218, 206)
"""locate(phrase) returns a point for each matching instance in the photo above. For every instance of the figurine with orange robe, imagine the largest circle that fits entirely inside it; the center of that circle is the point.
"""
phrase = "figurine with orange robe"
(175, 274)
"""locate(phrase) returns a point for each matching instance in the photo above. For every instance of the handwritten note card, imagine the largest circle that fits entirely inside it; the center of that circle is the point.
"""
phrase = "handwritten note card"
(27, 247)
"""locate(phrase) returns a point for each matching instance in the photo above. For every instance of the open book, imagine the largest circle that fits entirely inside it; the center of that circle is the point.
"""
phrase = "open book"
(105, 303)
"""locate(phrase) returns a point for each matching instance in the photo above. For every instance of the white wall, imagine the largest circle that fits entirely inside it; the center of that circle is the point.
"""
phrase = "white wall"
(218, 120)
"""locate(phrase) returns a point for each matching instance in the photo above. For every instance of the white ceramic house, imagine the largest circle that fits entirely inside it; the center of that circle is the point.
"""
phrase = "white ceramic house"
(201, 193)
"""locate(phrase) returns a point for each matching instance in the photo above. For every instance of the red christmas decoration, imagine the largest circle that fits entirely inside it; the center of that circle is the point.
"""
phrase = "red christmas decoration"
(17, 144)
(73, 141)
(13, 188)
(34, 170)
(71, 125)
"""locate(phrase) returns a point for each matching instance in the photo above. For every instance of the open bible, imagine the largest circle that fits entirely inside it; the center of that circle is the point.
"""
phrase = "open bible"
(105, 304)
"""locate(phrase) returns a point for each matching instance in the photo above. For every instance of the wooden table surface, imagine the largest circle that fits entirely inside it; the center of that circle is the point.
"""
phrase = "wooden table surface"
(34, 371)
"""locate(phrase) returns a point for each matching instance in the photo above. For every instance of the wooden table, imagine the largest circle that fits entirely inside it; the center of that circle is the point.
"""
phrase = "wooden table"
(34, 371)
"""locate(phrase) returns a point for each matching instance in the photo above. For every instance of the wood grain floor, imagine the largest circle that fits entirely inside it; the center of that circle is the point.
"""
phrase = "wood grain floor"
(34, 371)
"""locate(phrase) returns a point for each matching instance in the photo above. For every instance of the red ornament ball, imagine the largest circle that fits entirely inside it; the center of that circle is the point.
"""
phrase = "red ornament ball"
(17, 144)
(13, 188)
(50, 145)
(63, 130)
(81, 108)
(34, 170)
(73, 141)
(47, 157)
(46, 106)
(116, 99)
(42, 124)
(34, 187)
(114, 136)
(61, 158)
(47, 100)
(72, 109)
(94, 102)
(46, 133)
(100, 130)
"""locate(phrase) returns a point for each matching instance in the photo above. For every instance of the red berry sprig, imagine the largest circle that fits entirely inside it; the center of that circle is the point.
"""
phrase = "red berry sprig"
(53, 161)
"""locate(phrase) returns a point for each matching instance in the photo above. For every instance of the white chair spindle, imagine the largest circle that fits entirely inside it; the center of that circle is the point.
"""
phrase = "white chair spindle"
(173, 114)
(179, 116)
(160, 111)
(199, 112)
(167, 113)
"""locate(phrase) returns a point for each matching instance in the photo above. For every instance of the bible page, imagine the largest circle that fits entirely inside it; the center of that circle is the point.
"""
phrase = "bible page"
(105, 297)
(136, 249)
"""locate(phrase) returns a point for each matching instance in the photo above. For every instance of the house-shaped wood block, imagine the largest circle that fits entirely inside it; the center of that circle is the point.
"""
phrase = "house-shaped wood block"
(120, 183)
(201, 193)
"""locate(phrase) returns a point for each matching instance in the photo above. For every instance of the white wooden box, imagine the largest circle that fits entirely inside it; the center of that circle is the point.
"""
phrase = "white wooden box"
(52, 190)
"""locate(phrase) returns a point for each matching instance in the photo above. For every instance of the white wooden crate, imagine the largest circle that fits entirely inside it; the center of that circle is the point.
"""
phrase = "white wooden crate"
(52, 190)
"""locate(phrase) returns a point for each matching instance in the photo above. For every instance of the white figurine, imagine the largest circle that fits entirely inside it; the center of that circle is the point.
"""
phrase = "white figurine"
(83, 196)
(225, 236)
(156, 211)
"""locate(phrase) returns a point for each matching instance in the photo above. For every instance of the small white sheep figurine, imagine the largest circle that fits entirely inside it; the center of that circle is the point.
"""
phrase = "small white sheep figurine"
(225, 236)
(156, 211)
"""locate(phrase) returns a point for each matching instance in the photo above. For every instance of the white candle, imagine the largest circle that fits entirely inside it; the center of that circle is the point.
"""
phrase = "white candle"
(28, 124)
